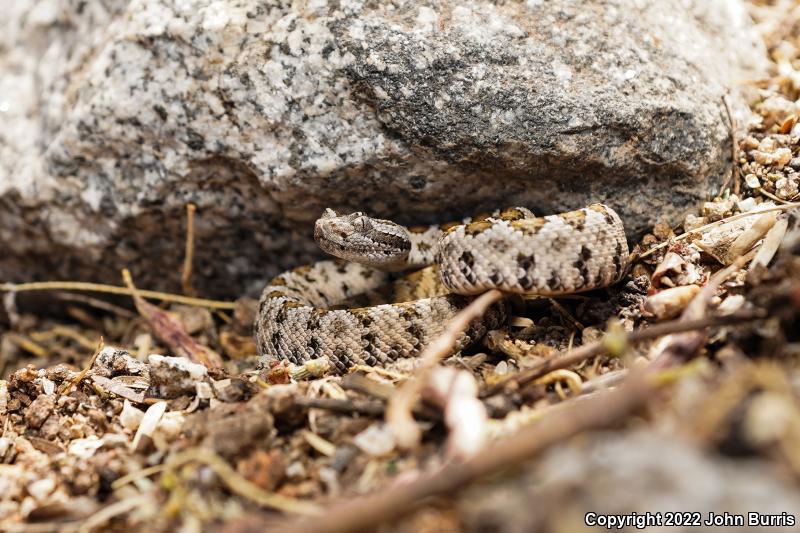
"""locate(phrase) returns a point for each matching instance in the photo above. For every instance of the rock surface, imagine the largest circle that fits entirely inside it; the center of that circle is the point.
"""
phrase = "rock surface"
(117, 114)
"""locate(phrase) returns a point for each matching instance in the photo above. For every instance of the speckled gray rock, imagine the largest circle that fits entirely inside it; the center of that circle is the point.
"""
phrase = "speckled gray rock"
(264, 113)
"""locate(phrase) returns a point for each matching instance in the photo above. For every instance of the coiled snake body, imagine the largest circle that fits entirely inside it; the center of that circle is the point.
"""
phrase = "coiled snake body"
(299, 316)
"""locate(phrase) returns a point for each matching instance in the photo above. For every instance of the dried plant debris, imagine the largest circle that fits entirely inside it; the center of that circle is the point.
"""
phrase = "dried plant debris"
(690, 365)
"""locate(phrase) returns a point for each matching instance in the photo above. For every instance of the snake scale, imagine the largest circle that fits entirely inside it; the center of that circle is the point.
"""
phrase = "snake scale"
(331, 308)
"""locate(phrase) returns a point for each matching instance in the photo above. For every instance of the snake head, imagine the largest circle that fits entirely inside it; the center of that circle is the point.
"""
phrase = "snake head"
(362, 239)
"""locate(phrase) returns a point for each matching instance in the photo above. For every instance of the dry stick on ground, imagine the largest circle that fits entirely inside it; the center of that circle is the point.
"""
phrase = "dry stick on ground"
(80, 377)
(95, 303)
(188, 258)
(367, 512)
(240, 485)
(361, 383)
(382, 391)
(93, 522)
(31, 345)
(398, 412)
(63, 332)
(608, 408)
(587, 351)
(772, 196)
(114, 289)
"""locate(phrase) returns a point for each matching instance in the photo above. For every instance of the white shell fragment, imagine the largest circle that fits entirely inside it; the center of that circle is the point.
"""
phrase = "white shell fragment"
(456, 392)
(85, 448)
(149, 423)
(748, 238)
(772, 241)
(377, 440)
(130, 417)
(670, 302)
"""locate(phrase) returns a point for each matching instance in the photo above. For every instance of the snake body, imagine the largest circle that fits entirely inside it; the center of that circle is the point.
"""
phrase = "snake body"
(299, 316)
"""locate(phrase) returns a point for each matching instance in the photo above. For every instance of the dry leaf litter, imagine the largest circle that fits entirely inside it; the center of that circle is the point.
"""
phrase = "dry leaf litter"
(165, 417)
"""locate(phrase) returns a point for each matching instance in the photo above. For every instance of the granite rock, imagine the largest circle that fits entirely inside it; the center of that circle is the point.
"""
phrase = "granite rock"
(117, 114)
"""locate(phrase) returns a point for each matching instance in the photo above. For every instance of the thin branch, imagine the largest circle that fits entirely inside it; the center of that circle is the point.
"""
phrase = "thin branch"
(398, 412)
(772, 196)
(107, 513)
(587, 351)
(677, 348)
(95, 303)
(31, 345)
(114, 289)
(63, 332)
(364, 407)
(240, 485)
(80, 377)
(171, 331)
(367, 512)
(188, 257)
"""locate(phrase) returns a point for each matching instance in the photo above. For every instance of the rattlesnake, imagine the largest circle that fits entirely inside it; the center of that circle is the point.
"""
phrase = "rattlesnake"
(512, 250)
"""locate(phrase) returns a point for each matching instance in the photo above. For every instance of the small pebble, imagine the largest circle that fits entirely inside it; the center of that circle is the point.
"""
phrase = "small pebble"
(377, 440)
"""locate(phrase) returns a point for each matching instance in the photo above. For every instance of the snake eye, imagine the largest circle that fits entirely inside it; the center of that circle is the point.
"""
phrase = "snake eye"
(362, 224)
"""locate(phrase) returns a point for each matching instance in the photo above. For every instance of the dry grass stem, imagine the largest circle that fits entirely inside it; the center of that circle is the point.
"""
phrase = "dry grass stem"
(398, 412)
(188, 257)
(367, 512)
(80, 377)
(240, 485)
(572, 379)
(64, 332)
(606, 408)
(114, 289)
(734, 175)
(773, 197)
(29, 345)
(587, 351)
(681, 346)
(772, 241)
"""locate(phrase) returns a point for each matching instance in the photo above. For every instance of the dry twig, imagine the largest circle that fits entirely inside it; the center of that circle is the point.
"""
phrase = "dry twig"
(364, 407)
(680, 347)
(95, 303)
(188, 257)
(396, 501)
(80, 377)
(398, 412)
(29, 345)
(734, 151)
(587, 351)
(64, 332)
(240, 485)
(114, 289)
